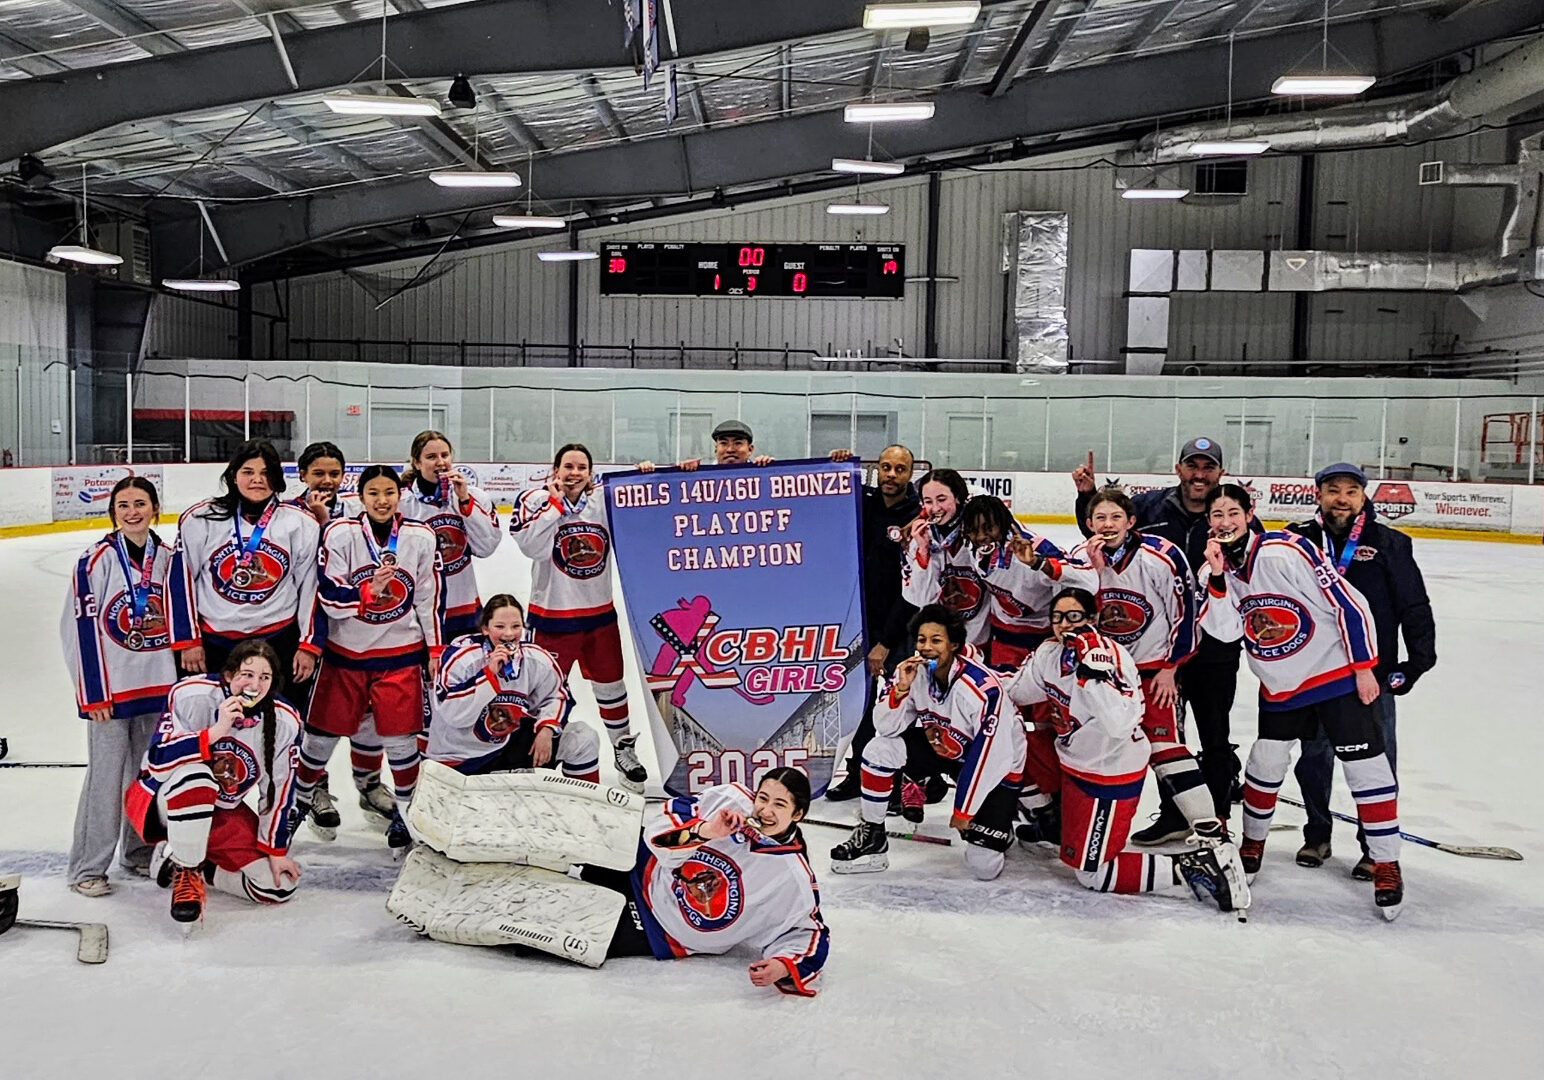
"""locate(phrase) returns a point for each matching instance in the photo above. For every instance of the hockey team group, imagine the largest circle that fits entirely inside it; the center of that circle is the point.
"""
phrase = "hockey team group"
(219, 672)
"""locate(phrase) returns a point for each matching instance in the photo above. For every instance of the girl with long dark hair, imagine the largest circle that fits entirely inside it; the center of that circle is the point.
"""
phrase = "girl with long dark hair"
(463, 519)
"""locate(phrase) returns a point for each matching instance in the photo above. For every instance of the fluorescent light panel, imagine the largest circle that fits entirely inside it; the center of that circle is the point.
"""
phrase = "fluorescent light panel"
(862, 165)
(882, 112)
(1322, 85)
(381, 105)
(1154, 193)
(566, 256)
(872, 209)
(475, 178)
(906, 16)
(1226, 148)
(201, 284)
(527, 221)
(85, 255)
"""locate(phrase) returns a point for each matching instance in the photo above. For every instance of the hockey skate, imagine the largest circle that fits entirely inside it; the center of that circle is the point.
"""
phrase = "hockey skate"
(866, 851)
(846, 788)
(630, 771)
(1363, 870)
(374, 799)
(1041, 829)
(1168, 825)
(913, 798)
(1388, 889)
(1250, 853)
(322, 815)
(188, 894)
(1213, 870)
(398, 839)
(1313, 855)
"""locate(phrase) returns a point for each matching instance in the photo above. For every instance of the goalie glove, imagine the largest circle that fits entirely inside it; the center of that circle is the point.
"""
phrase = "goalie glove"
(1095, 655)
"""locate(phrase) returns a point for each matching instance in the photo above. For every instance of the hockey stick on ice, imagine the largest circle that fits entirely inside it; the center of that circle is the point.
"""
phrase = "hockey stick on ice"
(42, 764)
(942, 841)
(93, 937)
(1452, 849)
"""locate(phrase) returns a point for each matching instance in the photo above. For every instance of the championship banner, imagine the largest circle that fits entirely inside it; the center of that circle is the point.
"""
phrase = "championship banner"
(743, 594)
(81, 492)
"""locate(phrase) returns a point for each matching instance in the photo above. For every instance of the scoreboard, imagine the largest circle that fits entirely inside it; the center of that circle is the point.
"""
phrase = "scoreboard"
(817, 271)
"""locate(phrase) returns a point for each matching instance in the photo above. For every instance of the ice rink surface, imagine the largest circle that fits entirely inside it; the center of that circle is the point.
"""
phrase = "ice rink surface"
(931, 973)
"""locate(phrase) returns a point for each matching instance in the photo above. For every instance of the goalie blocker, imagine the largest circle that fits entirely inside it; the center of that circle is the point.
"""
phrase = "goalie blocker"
(707, 874)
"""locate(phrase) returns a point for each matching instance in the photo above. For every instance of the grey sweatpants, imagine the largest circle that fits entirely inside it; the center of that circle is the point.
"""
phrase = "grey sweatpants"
(115, 750)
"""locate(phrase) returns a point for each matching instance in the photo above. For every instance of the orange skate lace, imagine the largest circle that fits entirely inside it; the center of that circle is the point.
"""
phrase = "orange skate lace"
(187, 886)
(1386, 875)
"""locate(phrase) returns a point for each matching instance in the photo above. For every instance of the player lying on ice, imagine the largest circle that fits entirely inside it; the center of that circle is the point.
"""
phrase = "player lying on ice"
(1095, 692)
(222, 736)
(707, 874)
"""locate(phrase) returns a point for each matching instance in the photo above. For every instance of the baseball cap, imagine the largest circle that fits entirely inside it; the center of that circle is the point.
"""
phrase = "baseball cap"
(1201, 446)
(1340, 468)
(733, 429)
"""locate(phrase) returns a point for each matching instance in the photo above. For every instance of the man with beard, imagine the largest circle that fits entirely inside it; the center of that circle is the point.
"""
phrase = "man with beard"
(1209, 679)
(1380, 562)
(889, 508)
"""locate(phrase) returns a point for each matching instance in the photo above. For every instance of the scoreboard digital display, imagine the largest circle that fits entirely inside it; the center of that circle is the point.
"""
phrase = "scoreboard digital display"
(816, 271)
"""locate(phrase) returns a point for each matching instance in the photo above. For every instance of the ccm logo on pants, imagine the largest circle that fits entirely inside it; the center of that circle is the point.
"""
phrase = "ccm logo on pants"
(1352, 749)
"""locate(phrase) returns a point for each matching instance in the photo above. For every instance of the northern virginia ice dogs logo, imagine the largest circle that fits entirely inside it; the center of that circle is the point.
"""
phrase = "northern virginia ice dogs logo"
(254, 582)
(235, 769)
(1275, 626)
(708, 890)
(579, 550)
(1123, 614)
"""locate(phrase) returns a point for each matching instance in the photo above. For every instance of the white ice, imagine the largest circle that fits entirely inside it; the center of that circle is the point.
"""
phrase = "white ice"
(931, 972)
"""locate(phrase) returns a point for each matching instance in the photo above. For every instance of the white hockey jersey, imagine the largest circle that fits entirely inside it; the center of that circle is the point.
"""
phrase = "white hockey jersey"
(961, 725)
(115, 659)
(996, 595)
(465, 530)
(745, 888)
(1307, 630)
(237, 761)
(1098, 722)
(1147, 600)
(245, 584)
(373, 631)
(476, 710)
(569, 545)
(342, 506)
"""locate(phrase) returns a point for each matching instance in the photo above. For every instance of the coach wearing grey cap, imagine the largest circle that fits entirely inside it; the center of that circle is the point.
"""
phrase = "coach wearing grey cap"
(733, 444)
(1380, 562)
(1210, 678)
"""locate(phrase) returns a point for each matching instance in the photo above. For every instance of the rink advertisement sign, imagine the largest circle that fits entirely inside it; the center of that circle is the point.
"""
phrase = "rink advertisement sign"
(83, 491)
(745, 605)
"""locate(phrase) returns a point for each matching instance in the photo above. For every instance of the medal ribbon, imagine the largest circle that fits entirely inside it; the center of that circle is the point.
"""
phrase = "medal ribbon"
(508, 671)
(1352, 539)
(391, 541)
(249, 548)
(140, 593)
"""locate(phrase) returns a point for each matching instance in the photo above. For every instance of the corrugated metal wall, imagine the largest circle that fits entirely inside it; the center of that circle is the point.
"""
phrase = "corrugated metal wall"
(1365, 200)
(34, 341)
(182, 327)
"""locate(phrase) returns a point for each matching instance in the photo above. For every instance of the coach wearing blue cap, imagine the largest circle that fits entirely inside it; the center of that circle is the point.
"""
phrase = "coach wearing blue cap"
(1379, 561)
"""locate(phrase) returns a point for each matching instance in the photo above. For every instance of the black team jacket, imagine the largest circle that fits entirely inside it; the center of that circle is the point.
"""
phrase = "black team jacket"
(884, 543)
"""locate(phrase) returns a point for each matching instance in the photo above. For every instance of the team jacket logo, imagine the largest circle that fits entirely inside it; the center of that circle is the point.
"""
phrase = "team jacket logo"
(450, 540)
(945, 740)
(579, 550)
(235, 770)
(1394, 501)
(708, 890)
(962, 591)
(389, 604)
(502, 718)
(1124, 614)
(118, 620)
(1275, 626)
(251, 584)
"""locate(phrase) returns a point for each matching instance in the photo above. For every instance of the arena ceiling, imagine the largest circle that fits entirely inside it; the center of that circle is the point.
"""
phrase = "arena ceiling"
(173, 109)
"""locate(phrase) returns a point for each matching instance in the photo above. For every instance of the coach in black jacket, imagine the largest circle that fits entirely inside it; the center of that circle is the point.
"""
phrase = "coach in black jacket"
(1209, 679)
(889, 508)
(1380, 563)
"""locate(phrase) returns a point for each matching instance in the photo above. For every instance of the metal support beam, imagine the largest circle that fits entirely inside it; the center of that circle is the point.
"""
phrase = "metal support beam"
(1307, 198)
(1070, 99)
(1241, 14)
(935, 187)
(968, 49)
(603, 109)
(1156, 20)
(1018, 48)
(276, 117)
(12, 48)
(121, 21)
(1061, 30)
(501, 111)
(694, 91)
(784, 80)
(436, 43)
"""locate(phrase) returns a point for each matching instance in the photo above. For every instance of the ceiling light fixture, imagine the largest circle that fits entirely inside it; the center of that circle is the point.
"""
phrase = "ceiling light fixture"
(1323, 85)
(1155, 193)
(201, 284)
(83, 252)
(907, 16)
(475, 178)
(380, 105)
(528, 221)
(867, 167)
(857, 208)
(885, 112)
(567, 256)
(1227, 148)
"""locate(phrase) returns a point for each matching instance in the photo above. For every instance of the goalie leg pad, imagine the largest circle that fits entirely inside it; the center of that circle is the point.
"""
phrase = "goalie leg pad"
(500, 904)
(535, 817)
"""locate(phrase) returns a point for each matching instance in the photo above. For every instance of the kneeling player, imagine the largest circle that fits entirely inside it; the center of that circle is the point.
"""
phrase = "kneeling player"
(1095, 694)
(940, 713)
(221, 737)
(711, 873)
(502, 704)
